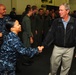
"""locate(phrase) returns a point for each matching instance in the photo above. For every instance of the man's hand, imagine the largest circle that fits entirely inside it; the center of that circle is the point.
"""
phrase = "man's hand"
(31, 40)
(40, 48)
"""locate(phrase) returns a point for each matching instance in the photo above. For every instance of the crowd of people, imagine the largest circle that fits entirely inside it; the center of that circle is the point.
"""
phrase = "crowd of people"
(39, 30)
(11, 44)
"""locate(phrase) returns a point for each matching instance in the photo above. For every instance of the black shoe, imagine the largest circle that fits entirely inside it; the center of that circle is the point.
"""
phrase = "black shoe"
(30, 61)
(27, 63)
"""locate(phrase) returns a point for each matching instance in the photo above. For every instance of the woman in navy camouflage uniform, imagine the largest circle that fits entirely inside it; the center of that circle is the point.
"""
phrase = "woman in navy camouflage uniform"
(11, 46)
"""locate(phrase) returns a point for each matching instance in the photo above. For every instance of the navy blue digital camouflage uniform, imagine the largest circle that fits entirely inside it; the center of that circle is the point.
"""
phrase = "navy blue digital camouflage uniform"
(2, 26)
(8, 53)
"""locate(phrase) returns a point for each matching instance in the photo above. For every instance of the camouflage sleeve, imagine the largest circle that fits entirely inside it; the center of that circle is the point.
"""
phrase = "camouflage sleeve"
(18, 45)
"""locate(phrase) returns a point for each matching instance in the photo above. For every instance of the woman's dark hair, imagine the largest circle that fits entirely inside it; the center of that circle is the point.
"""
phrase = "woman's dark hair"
(9, 24)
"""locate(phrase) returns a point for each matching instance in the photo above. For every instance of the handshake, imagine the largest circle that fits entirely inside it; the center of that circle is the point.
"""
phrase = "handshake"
(40, 48)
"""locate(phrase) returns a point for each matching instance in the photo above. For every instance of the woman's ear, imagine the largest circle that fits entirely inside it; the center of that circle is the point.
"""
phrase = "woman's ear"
(11, 29)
